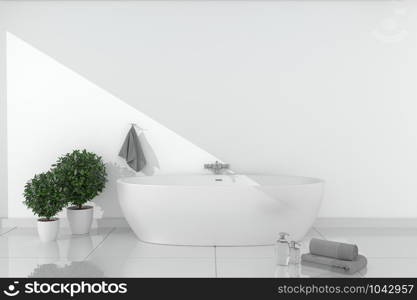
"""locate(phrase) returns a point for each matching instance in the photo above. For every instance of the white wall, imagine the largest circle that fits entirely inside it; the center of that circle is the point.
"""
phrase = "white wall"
(315, 88)
(3, 126)
(58, 111)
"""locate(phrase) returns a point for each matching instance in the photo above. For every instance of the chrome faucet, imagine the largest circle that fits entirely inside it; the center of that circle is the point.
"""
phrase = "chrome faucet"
(217, 167)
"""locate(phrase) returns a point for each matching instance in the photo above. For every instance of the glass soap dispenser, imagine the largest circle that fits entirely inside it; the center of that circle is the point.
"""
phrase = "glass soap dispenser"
(295, 252)
(282, 249)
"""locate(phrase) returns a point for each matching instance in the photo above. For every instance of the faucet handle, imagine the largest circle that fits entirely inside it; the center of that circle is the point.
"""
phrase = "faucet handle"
(216, 166)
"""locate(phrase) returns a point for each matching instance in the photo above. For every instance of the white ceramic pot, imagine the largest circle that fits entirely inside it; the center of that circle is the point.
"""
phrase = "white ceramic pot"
(48, 230)
(80, 220)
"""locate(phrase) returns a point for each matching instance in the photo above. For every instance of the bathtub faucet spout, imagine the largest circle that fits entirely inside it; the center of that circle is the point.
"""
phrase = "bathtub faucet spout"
(216, 167)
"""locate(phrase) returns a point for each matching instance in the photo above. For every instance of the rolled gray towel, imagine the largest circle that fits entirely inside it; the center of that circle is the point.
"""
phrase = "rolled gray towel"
(349, 267)
(333, 249)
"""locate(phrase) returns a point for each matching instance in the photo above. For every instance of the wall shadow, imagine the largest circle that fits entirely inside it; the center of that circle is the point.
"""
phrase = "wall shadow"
(167, 149)
(152, 162)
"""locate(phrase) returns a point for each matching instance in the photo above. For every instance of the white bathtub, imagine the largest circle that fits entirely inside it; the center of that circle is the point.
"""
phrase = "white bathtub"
(219, 209)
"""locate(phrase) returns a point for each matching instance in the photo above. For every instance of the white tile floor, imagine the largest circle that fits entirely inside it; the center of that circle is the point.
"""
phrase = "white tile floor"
(116, 252)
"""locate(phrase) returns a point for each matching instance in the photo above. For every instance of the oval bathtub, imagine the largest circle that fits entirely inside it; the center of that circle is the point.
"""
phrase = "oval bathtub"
(223, 210)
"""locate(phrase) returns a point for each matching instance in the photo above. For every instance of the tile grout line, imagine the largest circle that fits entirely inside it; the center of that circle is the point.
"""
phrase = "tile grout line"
(99, 244)
(215, 261)
(11, 229)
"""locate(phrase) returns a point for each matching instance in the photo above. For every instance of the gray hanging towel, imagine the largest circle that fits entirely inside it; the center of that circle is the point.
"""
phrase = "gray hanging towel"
(132, 151)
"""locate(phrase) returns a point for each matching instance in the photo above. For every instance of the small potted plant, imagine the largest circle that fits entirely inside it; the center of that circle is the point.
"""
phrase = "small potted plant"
(81, 176)
(43, 197)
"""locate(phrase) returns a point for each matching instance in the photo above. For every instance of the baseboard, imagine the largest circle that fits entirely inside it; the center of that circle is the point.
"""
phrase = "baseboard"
(31, 222)
(320, 222)
(366, 222)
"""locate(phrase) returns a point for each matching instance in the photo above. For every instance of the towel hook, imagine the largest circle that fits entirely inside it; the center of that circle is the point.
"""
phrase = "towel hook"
(136, 125)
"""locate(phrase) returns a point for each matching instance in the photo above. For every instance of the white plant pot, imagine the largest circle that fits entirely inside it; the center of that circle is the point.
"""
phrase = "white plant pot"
(80, 220)
(48, 230)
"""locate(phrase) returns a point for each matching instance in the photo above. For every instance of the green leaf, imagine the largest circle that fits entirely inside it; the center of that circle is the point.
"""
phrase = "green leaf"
(81, 176)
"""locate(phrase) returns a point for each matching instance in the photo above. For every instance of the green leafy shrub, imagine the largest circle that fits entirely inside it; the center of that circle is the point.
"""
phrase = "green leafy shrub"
(43, 195)
(81, 176)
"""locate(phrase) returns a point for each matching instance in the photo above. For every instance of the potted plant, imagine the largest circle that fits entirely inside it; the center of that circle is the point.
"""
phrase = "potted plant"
(81, 176)
(42, 195)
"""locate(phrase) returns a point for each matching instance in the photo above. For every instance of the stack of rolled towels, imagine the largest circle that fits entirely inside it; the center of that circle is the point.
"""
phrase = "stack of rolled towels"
(341, 256)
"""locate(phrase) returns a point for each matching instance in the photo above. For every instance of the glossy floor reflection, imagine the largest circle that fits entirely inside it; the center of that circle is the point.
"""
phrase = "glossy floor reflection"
(116, 252)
